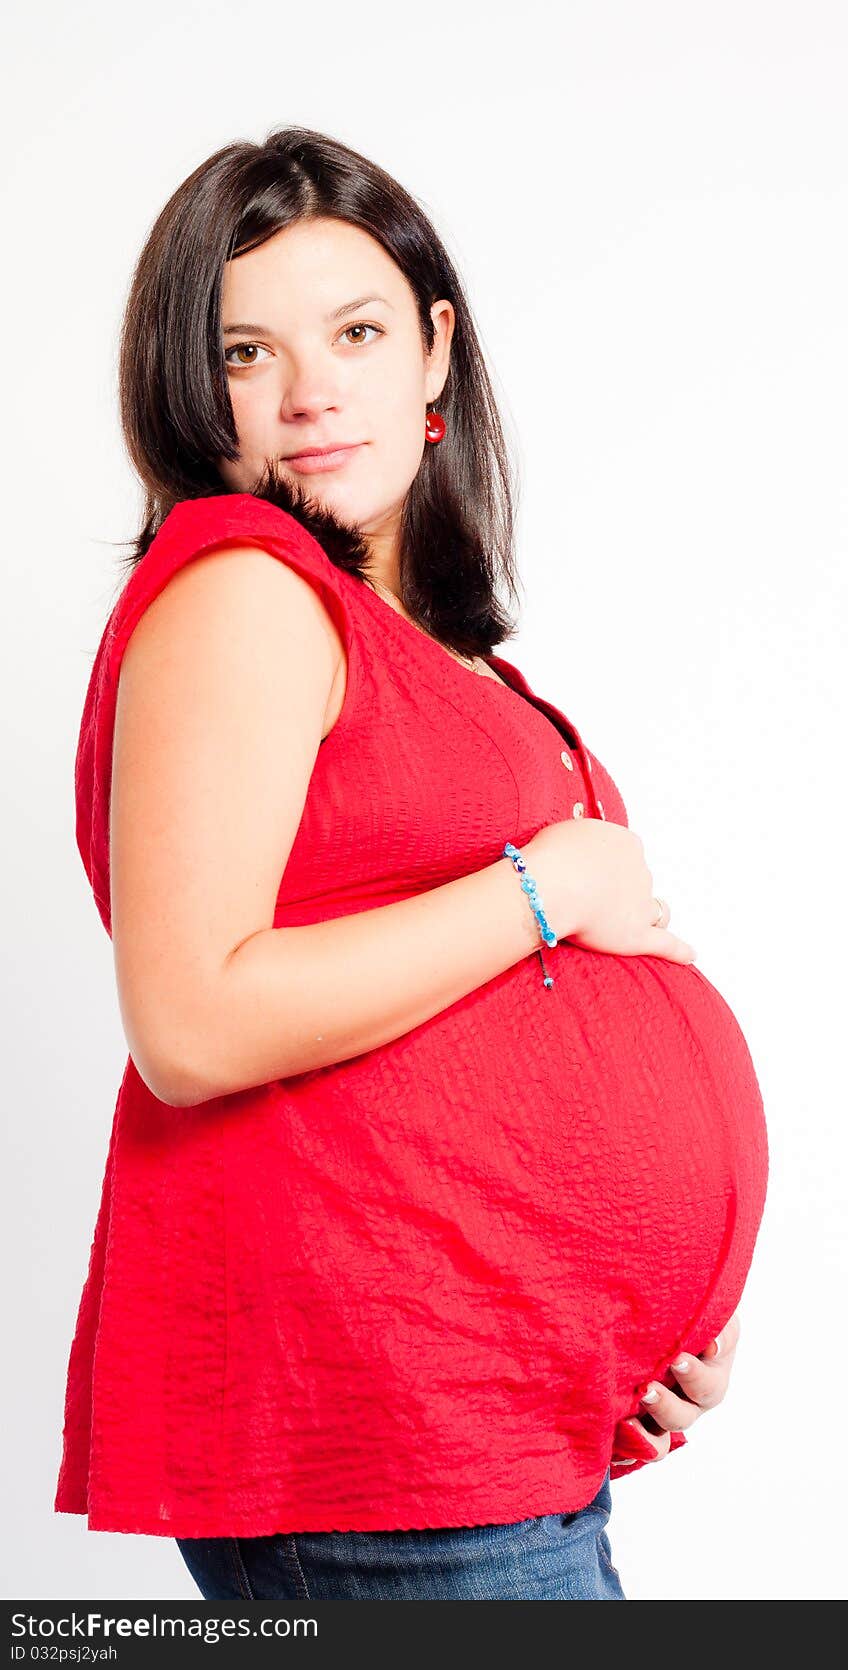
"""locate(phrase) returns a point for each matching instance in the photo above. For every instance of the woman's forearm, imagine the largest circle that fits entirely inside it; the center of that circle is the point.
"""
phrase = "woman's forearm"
(289, 1000)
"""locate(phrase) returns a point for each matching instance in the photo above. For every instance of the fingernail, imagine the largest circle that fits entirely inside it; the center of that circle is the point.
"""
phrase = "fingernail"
(717, 1344)
(681, 1365)
(650, 1396)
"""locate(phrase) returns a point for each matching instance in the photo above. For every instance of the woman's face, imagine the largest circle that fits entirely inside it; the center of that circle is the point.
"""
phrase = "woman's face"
(311, 365)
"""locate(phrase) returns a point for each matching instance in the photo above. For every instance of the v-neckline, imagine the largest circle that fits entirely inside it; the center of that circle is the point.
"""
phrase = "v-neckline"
(547, 710)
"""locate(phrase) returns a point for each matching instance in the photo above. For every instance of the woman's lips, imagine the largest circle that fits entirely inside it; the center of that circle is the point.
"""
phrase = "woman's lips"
(314, 463)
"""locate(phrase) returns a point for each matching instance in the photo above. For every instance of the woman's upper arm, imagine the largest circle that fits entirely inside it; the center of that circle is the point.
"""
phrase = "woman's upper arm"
(222, 694)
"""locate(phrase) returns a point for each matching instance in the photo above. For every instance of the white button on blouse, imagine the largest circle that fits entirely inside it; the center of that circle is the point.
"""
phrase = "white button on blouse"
(577, 809)
(566, 759)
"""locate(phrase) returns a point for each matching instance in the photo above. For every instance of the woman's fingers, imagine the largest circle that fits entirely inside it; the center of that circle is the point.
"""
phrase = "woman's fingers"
(705, 1379)
(727, 1341)
(701, 1383)
(672, 1413)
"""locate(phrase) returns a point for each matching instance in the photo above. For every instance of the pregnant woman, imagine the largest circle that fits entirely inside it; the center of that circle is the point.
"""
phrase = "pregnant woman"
(437, 1166)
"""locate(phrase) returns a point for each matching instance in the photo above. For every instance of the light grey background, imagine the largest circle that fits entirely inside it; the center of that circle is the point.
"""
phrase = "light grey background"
(648, 203)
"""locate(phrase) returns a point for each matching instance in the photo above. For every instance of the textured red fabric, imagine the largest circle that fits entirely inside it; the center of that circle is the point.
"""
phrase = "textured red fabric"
(422, 1287)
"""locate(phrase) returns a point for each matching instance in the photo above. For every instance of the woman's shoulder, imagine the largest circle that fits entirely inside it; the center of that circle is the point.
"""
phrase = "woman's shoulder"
(194, 526)
(244, 531)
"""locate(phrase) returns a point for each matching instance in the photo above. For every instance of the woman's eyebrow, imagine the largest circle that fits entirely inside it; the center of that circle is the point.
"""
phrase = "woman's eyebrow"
(337, 313)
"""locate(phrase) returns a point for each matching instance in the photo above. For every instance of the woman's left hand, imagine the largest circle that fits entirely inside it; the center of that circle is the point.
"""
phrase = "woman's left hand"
(702, 1382)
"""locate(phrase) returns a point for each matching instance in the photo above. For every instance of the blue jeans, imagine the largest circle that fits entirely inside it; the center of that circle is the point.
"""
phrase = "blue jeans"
(555, 1556)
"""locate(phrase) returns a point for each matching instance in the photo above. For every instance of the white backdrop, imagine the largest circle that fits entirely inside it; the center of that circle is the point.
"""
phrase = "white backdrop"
(649, 205)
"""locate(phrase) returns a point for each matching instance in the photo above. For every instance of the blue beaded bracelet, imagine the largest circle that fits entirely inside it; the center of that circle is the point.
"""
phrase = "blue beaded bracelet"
(530, 888)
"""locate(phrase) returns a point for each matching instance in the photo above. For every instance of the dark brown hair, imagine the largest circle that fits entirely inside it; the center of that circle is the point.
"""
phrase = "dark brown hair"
(457, 526)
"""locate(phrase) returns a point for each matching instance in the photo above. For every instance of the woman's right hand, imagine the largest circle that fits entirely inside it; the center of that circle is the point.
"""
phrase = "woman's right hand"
(597, 890)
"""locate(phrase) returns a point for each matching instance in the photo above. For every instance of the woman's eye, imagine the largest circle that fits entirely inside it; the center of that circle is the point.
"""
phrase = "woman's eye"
(240, 348)
(253, 348)
(361, 326)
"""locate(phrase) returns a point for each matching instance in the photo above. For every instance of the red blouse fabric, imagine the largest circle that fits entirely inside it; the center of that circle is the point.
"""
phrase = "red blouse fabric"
(424, 1286)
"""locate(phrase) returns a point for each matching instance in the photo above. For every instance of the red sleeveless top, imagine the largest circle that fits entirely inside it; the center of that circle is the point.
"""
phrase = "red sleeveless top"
(424, 1286)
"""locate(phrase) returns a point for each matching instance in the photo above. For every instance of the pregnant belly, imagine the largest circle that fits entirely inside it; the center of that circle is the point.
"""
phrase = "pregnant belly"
(542, 1189)
(664, 1154)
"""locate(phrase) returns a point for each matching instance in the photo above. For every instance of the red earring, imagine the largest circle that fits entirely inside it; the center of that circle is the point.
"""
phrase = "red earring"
(434, 427)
